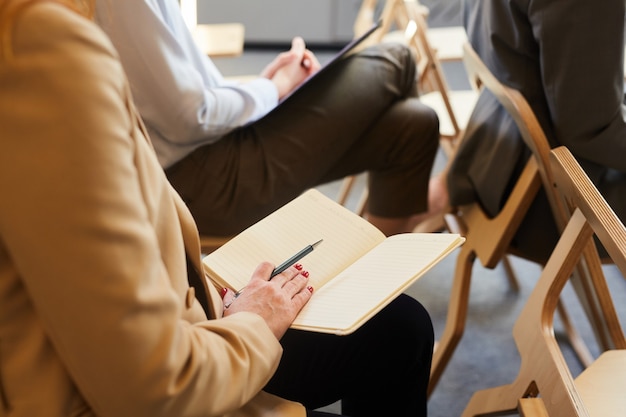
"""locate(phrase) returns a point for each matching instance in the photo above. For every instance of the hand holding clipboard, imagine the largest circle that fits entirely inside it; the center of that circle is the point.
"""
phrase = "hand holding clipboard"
(342, 53)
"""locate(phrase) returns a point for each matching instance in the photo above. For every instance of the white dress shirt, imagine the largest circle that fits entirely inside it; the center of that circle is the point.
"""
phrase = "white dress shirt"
(183, 99)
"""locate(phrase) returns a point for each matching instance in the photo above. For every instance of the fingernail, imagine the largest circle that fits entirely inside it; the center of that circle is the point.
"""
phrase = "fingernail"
(305, 273)
(310, 289)
(298, 267)
(223, 292)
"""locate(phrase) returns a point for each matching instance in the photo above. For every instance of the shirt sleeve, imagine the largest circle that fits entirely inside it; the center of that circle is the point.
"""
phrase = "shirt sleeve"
(181, 95)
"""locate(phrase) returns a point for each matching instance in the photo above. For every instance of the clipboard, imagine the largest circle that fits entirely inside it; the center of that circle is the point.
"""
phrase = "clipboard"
(342, 53)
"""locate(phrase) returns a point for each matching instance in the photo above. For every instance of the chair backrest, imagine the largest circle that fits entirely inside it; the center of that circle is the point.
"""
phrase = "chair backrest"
(544, 373)
(490, 251)
(525, 119)
(391, 12)
(534, 333)
(532, 133)
(408, 17)
(431, 76)
(580, 195)
(489, 238)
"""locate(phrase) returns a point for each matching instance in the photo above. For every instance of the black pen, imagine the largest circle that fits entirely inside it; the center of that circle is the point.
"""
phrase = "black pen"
(280, 268)
(295, 258)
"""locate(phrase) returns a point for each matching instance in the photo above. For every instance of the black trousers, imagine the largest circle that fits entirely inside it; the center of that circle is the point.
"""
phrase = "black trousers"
(362, 115)
(380, 370)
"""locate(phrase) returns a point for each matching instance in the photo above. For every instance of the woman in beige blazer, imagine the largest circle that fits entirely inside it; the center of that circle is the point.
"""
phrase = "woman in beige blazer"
(97, 317)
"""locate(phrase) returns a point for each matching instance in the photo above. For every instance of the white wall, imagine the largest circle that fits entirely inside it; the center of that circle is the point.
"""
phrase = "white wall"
(277, 21)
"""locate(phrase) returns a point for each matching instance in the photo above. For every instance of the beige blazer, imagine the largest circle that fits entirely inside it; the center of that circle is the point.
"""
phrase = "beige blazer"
(96, 314)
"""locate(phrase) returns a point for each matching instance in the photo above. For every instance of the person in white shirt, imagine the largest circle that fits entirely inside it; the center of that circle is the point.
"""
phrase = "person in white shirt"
(235, 154)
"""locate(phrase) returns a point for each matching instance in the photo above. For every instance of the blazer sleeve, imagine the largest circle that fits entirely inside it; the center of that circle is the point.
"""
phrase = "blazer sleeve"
(83, 232)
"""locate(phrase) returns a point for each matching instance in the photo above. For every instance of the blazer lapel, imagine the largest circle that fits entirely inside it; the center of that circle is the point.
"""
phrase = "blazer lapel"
(212, 303)
(192, 249)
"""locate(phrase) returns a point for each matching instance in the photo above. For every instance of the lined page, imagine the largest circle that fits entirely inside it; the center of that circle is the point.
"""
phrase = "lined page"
(305, 220)
(370, 283)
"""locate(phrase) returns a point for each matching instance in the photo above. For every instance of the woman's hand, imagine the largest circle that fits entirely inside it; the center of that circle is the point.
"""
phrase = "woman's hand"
(278, 300)
(290, 68)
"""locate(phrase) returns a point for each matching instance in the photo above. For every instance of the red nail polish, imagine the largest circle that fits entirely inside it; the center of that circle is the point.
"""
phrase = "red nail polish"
(310, 289)
(298, 267)
(223, 292)
(305, 273)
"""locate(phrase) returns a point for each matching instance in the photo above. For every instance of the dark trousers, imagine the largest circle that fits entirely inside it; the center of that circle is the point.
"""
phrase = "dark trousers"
(380, 370)
(361, 115)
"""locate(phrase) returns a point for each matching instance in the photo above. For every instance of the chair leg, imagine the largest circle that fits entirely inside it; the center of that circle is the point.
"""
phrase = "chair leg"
(578, 344)
(347, 185)
(433, 224)
(510, 274)
(598, 313)
(345, 189)
(493, 401)
(362, 203)
(457, 315)
(532, 407)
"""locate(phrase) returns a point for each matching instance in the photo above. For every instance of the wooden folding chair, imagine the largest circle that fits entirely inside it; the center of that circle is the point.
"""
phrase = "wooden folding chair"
(599, 390)
(452, 107)
(446, 41)
(489, 238)
(220, 39)
(532, 407)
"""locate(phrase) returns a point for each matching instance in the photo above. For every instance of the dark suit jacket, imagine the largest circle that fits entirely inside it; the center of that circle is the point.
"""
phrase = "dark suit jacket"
(566, 58)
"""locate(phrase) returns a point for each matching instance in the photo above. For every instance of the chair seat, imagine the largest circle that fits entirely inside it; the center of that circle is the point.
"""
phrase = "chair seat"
(220, 39)
(448, 42)
(602, 386)
(395, 36)
(462, 102)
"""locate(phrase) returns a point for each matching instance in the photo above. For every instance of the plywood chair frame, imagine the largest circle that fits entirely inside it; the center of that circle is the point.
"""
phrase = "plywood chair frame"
(363, 21)
(453, 107)
(536, 141)
(446, 41)
(220, 39)
(493, 243)
(544, 374)
(532, 407)
(410, 16)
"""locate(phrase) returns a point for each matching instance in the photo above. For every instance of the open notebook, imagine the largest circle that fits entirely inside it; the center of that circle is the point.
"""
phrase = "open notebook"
(341, 54)
(355, 271)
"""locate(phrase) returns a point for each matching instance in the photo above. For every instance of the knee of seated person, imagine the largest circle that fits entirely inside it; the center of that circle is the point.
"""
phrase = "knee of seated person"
(400, 55)
(424, 125)
(399, 51)
(411, 317)
(430, 122)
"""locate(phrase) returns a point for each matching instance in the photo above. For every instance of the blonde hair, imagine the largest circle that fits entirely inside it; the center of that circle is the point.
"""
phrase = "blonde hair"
(10, 10)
